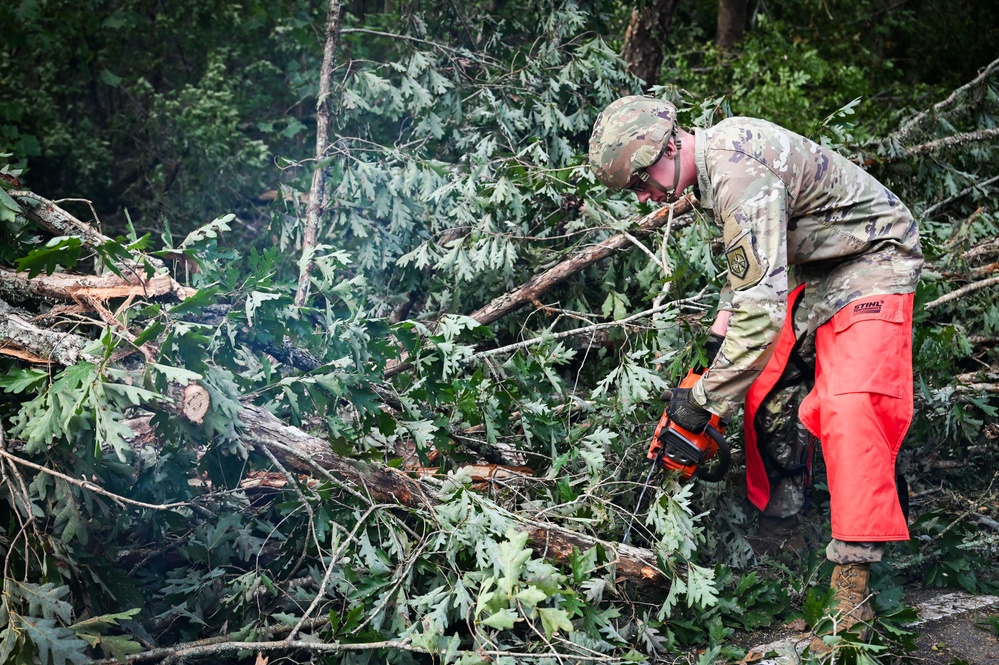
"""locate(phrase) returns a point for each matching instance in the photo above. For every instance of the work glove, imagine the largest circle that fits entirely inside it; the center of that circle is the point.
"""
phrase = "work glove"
(685, 412)
(713, 346)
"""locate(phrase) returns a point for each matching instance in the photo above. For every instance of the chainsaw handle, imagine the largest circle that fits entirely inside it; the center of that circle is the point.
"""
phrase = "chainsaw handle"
(724, 457)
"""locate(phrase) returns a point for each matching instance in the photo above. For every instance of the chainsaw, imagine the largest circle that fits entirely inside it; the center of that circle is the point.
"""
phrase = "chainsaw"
(675, 449)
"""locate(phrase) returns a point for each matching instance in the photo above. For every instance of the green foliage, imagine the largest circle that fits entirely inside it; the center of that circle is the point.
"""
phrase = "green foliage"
(459, 141)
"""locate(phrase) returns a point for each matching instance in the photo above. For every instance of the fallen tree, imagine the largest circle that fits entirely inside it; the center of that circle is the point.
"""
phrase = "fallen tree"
(307, 454)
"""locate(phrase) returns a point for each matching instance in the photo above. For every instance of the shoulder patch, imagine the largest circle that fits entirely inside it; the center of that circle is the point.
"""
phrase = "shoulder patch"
(744, 266)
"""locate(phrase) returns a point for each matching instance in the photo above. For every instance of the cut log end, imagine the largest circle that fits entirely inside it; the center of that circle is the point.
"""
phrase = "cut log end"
(195, 403)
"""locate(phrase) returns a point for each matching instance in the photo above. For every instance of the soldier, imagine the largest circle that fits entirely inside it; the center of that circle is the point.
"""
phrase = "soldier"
(817, 251)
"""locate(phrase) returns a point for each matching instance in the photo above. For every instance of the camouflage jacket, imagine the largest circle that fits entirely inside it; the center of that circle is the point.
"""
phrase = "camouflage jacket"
(792, 211)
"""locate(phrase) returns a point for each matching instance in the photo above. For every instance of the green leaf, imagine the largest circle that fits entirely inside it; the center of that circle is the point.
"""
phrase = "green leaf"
(701, 589)
(43, 600)
(512, 556)
(209, 231)
(176, 374)
(9, 641)
(149, 333)
(55, 644)
(23, 380)
(254, 300)
(554, 620)
(119, 647)
(134, 395)
(9, 209)
(502, 620)
(531, 596)
(100, 623)
(62, 251)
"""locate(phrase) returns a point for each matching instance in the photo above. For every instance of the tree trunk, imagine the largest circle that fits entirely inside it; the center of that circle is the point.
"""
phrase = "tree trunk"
(732, 17)
(317, 192)
(645, 39)
(303, 453)
(307, 454)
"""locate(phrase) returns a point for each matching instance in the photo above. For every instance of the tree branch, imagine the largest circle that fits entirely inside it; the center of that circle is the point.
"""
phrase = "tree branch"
(586, 329)
(61, 223)
(936, 206)
(955, 140)
(964, 290)
(317, 193)
(939, 107)
(18, 287)
(538, 285)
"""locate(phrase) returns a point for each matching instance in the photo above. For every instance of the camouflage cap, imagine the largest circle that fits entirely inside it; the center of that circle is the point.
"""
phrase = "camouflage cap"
(629, 135)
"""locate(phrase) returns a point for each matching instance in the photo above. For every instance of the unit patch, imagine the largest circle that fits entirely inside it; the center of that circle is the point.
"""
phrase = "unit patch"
(744, 267)
(738, 264)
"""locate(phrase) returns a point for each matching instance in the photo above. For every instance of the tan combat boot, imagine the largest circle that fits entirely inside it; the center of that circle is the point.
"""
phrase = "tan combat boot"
(852, 604)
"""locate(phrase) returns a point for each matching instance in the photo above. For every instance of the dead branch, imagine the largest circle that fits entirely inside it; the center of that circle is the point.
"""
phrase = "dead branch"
(18, 287)
(988, 248)
(955, 140)
(979, 388)
(538, 285)
(317, 192)
(592, 329)
(50, 216)
(964, 290)
(936, 206)
(942, 106)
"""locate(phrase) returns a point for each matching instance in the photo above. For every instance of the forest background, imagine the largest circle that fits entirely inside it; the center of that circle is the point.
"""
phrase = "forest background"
(390, 402)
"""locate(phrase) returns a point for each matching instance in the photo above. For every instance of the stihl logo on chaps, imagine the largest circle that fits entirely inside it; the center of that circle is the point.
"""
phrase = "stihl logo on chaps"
(738, 263)
(872, 307)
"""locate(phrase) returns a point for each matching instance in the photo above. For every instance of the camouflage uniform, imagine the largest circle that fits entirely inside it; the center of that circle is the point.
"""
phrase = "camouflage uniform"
(793, 212)
(787, 444)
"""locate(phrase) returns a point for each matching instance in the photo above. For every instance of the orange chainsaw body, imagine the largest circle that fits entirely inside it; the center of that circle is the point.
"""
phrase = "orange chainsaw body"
(683, 451)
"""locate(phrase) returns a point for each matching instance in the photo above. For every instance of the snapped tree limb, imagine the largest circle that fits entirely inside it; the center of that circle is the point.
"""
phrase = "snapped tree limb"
(538, 285)
(301, 452)
(18, 287)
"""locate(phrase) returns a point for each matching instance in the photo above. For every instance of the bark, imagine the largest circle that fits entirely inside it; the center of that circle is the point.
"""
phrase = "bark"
(18, 287)
(538, 285)
(301, 452)
(317, 192)
(645, 39)
(21, 338)
(732, 17)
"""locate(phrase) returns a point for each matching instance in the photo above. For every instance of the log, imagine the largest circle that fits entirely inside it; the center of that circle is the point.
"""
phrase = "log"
(301, 452)
(18, 287)
(192, 401)
(21, 338)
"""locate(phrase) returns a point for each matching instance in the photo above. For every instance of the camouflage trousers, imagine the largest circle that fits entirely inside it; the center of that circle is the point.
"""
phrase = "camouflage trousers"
(787, 447)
